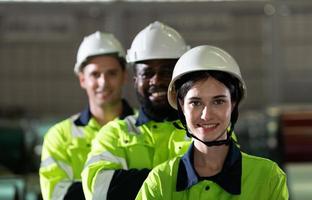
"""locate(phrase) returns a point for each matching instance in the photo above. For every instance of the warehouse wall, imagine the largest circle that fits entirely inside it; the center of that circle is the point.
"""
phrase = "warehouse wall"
(38, 42)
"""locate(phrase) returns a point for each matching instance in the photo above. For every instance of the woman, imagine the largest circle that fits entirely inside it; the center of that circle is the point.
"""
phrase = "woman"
(206, 89)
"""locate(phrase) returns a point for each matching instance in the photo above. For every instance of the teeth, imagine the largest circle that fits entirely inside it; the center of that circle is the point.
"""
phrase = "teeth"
(209, 125)
(157, 94)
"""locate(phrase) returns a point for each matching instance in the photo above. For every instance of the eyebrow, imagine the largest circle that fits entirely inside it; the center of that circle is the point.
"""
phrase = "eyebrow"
(219, 96)
(194, 98)
(215, 97)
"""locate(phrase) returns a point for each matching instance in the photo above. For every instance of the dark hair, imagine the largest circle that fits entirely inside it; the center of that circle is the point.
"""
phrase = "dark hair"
(186, 82)
(121, 60)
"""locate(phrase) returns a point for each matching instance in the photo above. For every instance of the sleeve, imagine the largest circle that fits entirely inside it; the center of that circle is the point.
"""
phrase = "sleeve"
(105, 157)
(151, 187)
(161, 182)
(278, 184)
(75, 192)
(125, 184)
(55, 172)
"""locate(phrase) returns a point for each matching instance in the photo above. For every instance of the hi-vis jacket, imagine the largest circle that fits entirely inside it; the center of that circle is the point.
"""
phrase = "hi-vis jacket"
(243, 177)
(65, 149)
(124, 152)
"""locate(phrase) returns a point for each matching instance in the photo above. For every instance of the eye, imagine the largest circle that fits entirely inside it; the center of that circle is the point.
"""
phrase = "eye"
(165, 73)
(112, 73)
(219, 101)
(195, 103)
(147, 74)
(95, 74)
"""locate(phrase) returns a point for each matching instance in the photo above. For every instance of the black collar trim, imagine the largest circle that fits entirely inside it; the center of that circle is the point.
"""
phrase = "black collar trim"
(229, 178)
(86, 115)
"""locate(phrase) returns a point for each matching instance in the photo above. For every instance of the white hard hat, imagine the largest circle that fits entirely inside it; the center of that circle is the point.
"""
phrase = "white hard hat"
(203, 58)
(98, 43)
(156, 41)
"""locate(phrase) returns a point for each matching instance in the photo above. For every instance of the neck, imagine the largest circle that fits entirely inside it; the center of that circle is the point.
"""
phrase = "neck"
(160, 114)
(106, 113)
(208, 161)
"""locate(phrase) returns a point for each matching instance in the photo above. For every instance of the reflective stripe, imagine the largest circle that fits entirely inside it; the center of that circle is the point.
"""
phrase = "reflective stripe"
(47, 162)
(107, 156)
(60, 190)
(104, 177)
(77, 131)
(67, 168)
(132, 128)
(102, 183)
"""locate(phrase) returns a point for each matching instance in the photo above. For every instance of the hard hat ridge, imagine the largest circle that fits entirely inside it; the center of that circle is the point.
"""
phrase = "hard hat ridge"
(156, 41)
(98, 43)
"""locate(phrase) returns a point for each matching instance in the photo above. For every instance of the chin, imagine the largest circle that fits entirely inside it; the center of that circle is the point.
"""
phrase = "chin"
(106, 102)
(160, 103)
(162, 107)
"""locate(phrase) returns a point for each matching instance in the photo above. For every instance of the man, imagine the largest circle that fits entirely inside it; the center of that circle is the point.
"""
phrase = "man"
(100, 68)
(126, 150)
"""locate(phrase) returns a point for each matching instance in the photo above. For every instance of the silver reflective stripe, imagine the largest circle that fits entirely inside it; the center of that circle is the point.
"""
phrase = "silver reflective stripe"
(104, 177)
(60, 190)
(101, 185)
(76, 130)
(67, 168)
(132, 128)
(47, 162)
(107, 156)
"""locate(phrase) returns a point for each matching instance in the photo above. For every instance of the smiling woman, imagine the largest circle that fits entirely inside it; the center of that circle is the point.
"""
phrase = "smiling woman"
(207, 107)
(206, 89)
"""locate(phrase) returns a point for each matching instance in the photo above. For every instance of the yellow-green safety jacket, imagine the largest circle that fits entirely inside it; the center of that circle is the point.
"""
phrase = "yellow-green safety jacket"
(124, 151)
(242, 177)
(65, 149)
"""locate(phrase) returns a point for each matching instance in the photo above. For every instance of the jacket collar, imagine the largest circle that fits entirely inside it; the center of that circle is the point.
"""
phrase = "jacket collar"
(229, 178)
(143, 118)
(86, 114)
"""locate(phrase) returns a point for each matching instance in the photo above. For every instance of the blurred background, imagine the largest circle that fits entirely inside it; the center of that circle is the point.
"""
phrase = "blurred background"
(271, 40)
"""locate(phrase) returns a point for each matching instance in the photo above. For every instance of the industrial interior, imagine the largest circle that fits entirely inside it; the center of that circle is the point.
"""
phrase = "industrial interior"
(271, 40)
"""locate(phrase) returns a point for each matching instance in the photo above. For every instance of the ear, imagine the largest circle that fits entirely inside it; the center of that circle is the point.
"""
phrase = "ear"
(135, 80)
(233, 105)
(81, 79)
(181, 103)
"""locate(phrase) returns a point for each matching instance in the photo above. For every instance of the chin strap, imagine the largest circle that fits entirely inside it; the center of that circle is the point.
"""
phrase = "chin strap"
(214, 142)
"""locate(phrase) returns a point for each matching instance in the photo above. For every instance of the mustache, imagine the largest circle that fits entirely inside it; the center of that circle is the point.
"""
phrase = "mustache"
(153, 89)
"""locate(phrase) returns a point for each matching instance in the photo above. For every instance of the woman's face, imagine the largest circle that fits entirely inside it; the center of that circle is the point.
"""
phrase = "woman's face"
(207, 108)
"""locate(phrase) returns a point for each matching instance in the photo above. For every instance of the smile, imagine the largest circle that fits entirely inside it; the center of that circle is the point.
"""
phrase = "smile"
(206, 126)
(158, 94)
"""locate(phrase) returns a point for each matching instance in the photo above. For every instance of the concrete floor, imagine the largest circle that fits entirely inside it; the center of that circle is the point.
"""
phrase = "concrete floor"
(300, 180)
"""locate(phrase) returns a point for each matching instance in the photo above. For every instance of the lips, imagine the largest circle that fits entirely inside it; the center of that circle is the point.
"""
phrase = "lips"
(208, 127)
(158, 94)
(103, 93)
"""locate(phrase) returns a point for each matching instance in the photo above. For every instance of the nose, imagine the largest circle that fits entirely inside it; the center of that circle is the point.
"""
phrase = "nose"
(102, 80)
(206, 113)
(156, 79)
